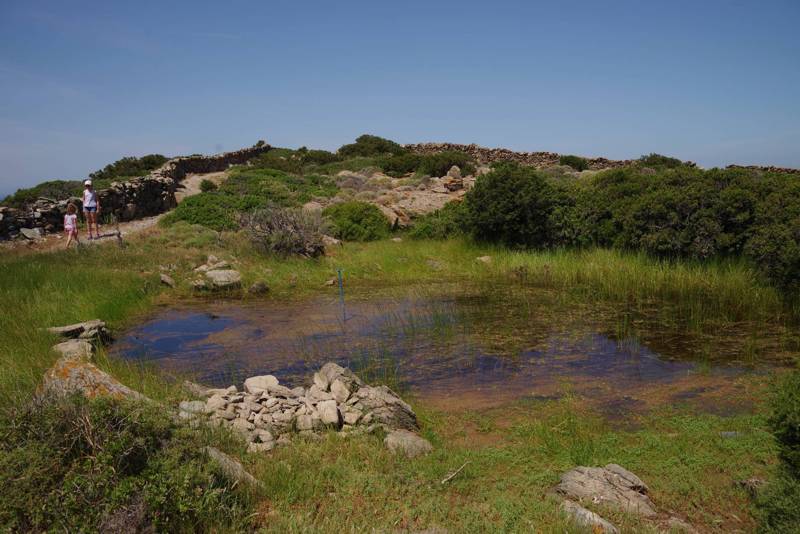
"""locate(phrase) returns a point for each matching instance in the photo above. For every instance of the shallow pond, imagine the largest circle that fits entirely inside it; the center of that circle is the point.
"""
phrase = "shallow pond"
(464, 349)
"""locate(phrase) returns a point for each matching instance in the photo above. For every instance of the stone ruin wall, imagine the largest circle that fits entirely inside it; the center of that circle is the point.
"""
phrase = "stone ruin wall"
(140, 197)
(491, 155)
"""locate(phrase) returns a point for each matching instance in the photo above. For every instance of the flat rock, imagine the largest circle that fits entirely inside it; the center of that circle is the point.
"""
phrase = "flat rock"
(75, 349)
(167, 280)
(70, 376)
(193, 407)
(407, 443)
(31, 233)
(612, 485)
(224, 279)
(586, 518)
(259, 384)
(79, 330)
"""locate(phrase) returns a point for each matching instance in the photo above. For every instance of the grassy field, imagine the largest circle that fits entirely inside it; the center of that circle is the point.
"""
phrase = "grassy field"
(514, 453)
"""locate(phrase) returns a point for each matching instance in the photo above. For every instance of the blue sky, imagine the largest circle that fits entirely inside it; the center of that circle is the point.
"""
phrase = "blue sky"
(84, 83)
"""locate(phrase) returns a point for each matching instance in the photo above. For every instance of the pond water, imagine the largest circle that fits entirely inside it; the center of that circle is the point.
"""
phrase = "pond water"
(464, 349)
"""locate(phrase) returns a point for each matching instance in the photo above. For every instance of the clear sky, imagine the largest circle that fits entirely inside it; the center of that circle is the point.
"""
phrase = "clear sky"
(84, 83)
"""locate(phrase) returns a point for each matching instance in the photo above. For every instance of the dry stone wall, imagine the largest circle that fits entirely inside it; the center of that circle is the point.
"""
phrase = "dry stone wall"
(490, 155)
(133, 199)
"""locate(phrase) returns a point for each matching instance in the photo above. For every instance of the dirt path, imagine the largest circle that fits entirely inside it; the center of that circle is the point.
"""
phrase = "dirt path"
(113, 233)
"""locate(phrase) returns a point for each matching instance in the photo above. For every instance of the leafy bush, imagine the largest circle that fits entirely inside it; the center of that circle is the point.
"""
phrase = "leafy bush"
(74, 465)
(216, 210)
(511, 205)
(439, 164)
(440, 224)
(370, 145)
(286, 231)
(576, 162)
(657, 160)
(779, 503)
(400, 164)
(207, 185)
(55, 189)
(357, 221)
(129, 166)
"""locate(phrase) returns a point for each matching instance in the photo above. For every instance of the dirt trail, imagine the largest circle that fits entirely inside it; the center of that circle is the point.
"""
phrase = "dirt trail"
(113, 233)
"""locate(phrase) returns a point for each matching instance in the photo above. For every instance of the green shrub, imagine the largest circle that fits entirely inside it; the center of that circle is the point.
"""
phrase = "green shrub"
(439, 164)
(779, 502)
(576, 162)
(216, 210)
(207, 185)
(74, 465)
(443, 223)
(357, 221)
(129, 166)
(286, 231)
(400, 164)
(657, 160)
(316, 157)
(370, 145)
(511, 205)
(54, 189)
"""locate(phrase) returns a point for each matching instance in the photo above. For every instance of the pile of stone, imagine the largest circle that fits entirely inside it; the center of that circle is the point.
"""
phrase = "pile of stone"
(216, 275)
(453, 181)
(268, 414)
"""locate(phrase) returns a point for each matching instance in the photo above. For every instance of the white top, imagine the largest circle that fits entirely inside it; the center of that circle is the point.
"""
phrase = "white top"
(89, 198)
(70, 221)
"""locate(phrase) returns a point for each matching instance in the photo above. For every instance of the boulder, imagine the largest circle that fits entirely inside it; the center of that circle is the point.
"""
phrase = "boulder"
(407, 443)
(384, 407)
(75, 349)
(167, 280)
(31, 233)
(611, 485)
(339, 391)
(70, 376)
(224, 279)
(587, 519)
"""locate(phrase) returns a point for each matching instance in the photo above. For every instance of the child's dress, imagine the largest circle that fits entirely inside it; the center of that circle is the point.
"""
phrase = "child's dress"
(71, 223)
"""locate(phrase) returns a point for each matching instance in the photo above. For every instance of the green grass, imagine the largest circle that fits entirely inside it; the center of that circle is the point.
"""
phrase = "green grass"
(515, 453)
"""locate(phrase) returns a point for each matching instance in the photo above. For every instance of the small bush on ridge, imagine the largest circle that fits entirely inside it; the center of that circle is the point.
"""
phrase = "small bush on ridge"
(357, 221)
(439, 164)
(55, 189)
(370, 145)
(576, 162)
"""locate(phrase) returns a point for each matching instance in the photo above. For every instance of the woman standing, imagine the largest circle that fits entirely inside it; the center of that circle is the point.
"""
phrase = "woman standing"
(91, 208)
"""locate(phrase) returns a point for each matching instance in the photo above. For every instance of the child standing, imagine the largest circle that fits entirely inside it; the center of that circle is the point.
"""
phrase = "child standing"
(71, 224)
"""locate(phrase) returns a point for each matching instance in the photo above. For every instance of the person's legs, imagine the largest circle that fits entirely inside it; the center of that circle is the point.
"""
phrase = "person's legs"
(69, 238)
(89, 220)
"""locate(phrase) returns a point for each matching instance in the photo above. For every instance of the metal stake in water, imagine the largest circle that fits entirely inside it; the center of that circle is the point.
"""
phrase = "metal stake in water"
(341, 294)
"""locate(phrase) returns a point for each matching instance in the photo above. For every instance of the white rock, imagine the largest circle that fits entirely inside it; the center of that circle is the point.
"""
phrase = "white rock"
(193, 406)
(259, 384)
(328, 412)
(224, 279)
(321, 381)
(408, 443)
(304, 422)
(339, 391)
(587, 518)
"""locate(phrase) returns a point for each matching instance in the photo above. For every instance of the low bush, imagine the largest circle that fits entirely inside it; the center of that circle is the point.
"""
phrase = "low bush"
(441, 224)
(54, 189)
(511, 205)
(102, 465)
(439, 164)
(400, 164)
(216, 210)
(357, 221)
(129, 166)
(370, 145)
(286, 231)
(779, 503)
(576, 162)
(207, 185)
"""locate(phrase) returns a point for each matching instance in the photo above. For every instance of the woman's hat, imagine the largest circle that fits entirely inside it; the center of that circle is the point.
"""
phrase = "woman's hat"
(87, 182)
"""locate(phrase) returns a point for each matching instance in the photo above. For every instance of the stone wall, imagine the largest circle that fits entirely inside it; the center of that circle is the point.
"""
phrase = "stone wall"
(490, 155)
(134, 199)
(765, 168)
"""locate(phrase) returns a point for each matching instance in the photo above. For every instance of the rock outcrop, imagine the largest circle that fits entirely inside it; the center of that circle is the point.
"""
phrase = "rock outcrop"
(267, 413)
(611, 485)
